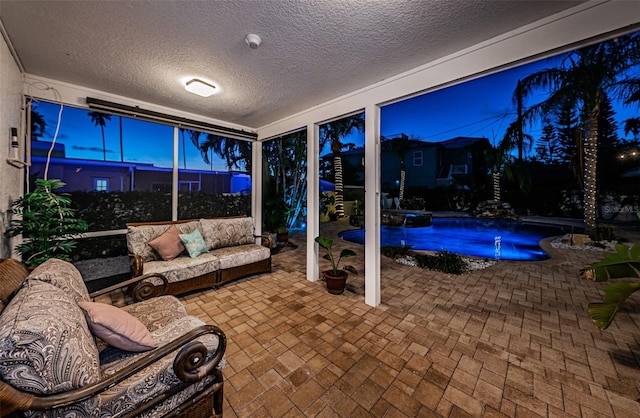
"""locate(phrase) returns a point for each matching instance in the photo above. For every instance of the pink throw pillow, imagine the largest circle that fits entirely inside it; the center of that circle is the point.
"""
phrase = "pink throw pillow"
(168, 245)
(116, 327)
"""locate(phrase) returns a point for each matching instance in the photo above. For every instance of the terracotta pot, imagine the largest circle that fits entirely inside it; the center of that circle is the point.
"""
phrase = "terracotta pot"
(335, 284)
(283, 236)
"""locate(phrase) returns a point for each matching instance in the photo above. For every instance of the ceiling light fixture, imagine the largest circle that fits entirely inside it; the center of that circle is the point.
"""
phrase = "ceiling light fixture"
(200, 87)
(253, 40)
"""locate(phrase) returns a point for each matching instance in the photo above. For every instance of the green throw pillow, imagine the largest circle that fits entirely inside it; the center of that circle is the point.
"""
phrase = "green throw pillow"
(194, 243)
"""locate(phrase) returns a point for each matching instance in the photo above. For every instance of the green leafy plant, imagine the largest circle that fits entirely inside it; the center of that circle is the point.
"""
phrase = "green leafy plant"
(624, 263)
(46, 222)
(327, 200)
(444, 261)
(327, 244)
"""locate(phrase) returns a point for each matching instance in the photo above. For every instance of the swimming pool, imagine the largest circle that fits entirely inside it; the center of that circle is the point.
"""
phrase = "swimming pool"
(490, 238)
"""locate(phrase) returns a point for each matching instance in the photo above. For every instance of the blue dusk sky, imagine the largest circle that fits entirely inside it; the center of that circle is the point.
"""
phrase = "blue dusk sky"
(482, 107)
(143, 142)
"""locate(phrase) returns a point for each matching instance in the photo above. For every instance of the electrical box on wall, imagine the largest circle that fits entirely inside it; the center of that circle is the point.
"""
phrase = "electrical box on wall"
(14, 149)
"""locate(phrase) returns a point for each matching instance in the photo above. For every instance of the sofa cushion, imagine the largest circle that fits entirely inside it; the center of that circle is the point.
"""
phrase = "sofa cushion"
(64, 276)
(194, 243)
(220, 233)
(45, 344)
(182, 268)
(117, 327)
(138, 237)
(168, 245)
(240, 255)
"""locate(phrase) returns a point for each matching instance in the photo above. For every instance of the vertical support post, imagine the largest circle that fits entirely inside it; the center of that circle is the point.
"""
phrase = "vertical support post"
(256, 185)
(313, 194)
(174, 183)
(372, 206)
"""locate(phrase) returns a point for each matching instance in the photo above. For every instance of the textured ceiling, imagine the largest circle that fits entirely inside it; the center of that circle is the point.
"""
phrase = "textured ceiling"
(312, 50)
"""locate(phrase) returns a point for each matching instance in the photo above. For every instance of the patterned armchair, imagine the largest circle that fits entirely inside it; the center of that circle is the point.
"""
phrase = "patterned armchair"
(63, 355)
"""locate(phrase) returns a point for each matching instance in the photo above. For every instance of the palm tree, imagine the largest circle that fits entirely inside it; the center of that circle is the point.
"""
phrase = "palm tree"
(495, 159)
(100, 119)
(632, 125)
(515, 137)
(236, 153)
(332, 133)
(38, 124)
(400, 146)
(585, 78)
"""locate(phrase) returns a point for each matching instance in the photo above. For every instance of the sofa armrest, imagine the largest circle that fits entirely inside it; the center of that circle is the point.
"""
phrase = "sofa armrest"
(136, 264)
(189, 365)
(266, 240)
(138, 288)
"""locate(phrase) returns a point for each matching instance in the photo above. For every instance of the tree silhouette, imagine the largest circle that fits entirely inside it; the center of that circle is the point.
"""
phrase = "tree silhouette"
(100, 119)
(632, 125)
(400, 146)
(583, 79)
(284, 164)
(38, 124)
(235, 152)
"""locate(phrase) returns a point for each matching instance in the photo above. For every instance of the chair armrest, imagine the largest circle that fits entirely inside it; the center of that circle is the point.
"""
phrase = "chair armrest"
(136, 265)
(266, 240)
(13, 399)
(138, 288)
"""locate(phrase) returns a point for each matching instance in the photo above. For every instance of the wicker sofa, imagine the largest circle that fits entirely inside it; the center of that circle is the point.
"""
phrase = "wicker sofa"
(54, 360)
(231, 252)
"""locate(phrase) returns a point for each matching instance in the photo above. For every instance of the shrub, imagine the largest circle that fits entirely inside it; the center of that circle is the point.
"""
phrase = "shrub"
(394, 251)
(444, 261)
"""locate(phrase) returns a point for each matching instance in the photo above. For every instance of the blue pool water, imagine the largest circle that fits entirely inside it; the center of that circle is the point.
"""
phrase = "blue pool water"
(488, 238)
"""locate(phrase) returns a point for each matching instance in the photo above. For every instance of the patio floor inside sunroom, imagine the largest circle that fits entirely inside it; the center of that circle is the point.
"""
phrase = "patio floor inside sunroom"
(511, 340)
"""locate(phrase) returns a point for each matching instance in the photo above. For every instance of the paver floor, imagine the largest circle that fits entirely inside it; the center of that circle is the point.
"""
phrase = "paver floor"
(512, 340)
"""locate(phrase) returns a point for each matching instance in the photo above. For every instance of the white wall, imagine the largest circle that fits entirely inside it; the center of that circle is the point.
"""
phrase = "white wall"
(11, 178)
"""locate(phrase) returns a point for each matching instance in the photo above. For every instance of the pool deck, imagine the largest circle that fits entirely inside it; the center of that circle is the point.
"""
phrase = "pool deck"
(512, 340)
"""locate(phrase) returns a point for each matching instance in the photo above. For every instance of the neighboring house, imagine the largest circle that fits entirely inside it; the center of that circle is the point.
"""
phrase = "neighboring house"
(114, 176)
(458, 160)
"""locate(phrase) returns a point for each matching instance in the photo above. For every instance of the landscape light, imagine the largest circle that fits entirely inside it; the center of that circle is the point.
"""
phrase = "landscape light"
(200, 88)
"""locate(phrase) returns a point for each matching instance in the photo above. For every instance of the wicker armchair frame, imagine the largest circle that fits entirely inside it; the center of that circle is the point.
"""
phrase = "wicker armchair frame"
(189, 364)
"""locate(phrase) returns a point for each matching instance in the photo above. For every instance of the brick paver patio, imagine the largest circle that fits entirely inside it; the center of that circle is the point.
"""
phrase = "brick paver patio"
(512, 340)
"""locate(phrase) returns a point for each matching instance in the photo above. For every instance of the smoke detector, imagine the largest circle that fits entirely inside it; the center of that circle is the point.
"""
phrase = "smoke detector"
(253, 40)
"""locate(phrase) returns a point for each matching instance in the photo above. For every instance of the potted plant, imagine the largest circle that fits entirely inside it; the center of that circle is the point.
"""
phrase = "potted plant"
(336, 278)
(282, 234)
(624, 264)
(46, 223)
(327, 200)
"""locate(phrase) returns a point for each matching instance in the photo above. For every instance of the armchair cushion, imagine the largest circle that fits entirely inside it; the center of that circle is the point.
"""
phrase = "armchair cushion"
(157, 312)
(158, 379)
(63, 275)
(45, 344)
(116, 327)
